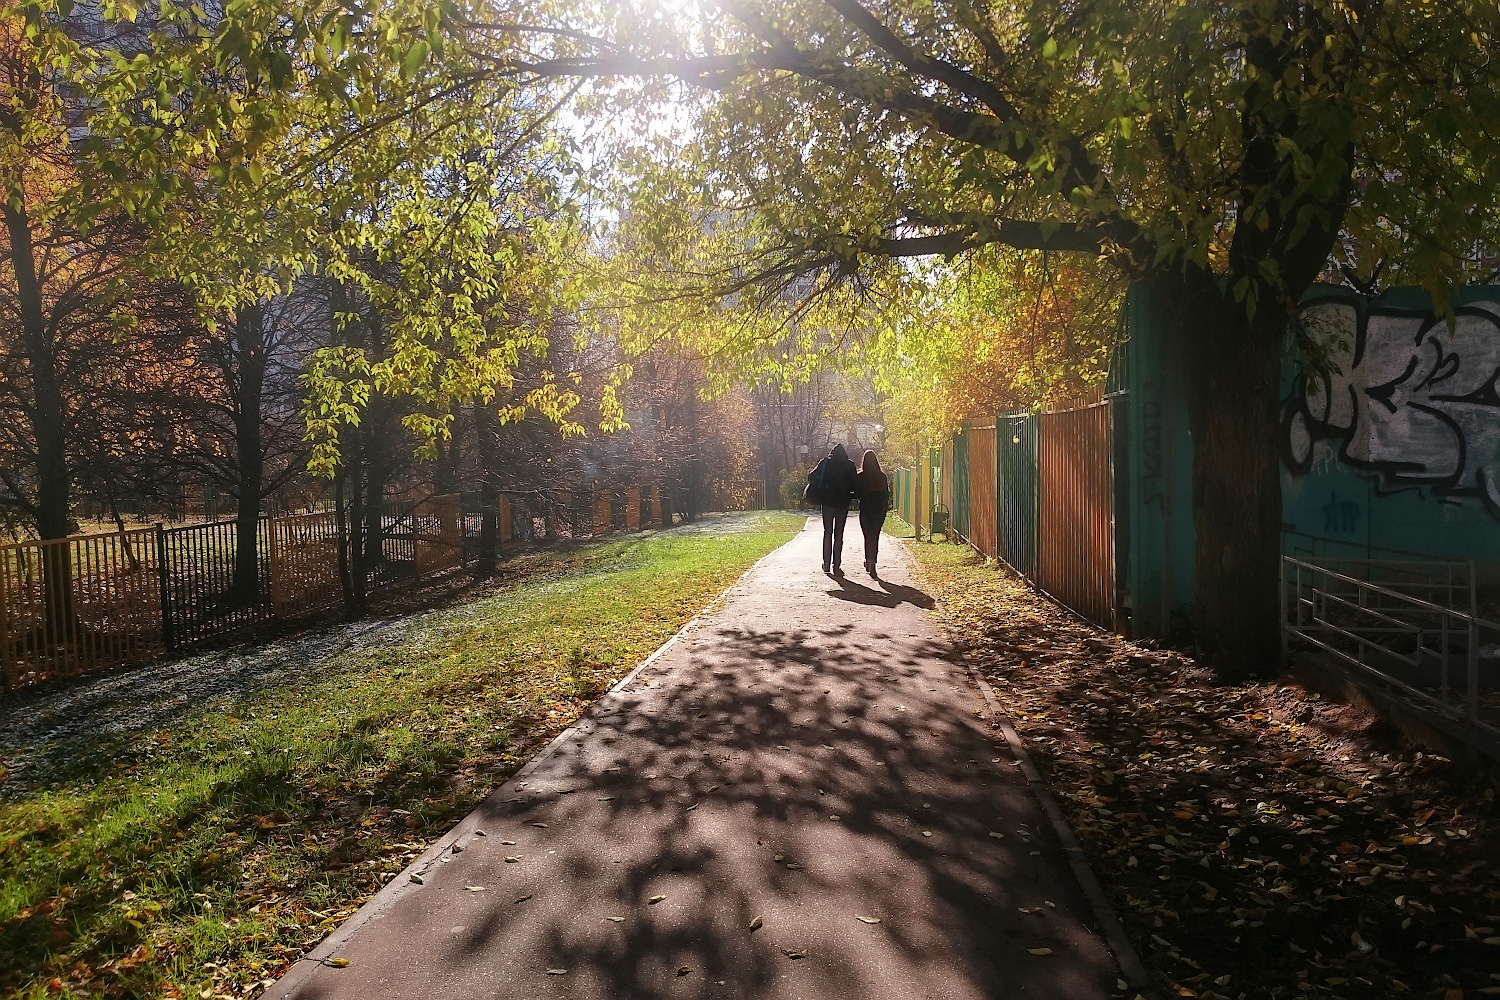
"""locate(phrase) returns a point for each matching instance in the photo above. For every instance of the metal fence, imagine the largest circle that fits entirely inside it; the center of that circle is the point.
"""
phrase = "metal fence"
(75, 605)
(958, 485)
(980, 481)
(1016, 458)
(1409, 626)
(1035, 491)
(202, 599)
(1075, 520)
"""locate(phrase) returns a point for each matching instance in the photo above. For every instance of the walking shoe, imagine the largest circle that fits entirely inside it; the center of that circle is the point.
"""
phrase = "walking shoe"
(870, 568)
(838, 570)
(825, 569)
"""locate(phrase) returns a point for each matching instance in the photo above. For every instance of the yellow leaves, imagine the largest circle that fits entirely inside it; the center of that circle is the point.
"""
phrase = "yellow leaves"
(337, 963)
(756, 923)
(1039, 952)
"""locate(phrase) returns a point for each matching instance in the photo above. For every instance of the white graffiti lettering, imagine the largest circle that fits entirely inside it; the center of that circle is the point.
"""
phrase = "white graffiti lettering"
(1406, 396)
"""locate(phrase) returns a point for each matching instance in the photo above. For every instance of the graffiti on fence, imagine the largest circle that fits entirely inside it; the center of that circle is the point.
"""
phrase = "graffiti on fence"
(1405, 396)
(1341, 516)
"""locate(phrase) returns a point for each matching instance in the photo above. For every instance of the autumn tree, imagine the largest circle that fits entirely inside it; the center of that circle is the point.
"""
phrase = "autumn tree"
(1224, 154)
(1000, 331)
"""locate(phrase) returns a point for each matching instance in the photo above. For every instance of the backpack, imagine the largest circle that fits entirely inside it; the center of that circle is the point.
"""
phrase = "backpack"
(815, 493)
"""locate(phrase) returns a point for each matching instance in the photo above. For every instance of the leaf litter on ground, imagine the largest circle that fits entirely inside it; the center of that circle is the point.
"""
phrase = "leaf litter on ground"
(1257, 839)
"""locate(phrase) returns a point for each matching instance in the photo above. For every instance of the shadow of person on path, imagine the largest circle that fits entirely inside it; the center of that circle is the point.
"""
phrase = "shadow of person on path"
(889, 596)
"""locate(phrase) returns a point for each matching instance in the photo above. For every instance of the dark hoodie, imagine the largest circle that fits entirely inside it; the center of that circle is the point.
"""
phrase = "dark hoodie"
(838, 479)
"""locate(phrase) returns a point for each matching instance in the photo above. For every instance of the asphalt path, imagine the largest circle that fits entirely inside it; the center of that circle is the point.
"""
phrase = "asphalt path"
(798, 797)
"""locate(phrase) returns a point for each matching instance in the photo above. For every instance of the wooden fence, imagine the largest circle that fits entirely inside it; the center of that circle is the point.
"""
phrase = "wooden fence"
(73, 605)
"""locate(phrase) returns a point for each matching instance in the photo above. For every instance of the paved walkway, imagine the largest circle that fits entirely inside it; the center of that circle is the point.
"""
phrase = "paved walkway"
(803, 761)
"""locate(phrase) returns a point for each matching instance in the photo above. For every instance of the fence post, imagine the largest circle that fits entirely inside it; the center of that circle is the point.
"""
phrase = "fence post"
(7, 659)
(274, 562)
(163, 581)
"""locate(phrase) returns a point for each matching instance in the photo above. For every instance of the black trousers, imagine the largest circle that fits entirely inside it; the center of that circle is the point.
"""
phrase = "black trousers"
(870, 522)
(833, 535)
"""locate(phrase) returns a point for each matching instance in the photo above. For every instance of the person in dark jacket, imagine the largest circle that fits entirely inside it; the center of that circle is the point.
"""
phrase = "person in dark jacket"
(838, 491)
(873, 489)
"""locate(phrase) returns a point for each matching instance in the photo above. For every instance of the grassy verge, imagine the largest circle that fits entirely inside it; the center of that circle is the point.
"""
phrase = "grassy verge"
(206, 856)
(1256, 840)
(897, 528)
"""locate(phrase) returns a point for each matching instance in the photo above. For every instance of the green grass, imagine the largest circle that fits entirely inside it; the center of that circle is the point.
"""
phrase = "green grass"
(897, 528)
(216, 851)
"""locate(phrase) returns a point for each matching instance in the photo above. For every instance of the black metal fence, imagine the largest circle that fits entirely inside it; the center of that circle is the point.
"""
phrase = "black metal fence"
(200, 599)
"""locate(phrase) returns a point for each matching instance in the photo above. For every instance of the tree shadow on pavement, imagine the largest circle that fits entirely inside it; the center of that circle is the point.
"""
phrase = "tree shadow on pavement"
(812, 777)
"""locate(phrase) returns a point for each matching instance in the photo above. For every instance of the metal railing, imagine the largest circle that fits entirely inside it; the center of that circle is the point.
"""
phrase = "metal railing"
(1411, 625)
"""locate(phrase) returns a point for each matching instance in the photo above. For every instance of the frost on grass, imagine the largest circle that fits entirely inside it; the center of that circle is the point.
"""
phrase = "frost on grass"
(44, 732)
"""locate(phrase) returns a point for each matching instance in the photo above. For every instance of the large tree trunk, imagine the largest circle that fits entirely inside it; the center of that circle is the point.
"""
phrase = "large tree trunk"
(1233, 366)
(249, 333)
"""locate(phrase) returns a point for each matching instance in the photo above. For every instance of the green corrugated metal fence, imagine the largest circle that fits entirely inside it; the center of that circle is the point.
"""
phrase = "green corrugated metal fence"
(960, 484)
(1016, 461)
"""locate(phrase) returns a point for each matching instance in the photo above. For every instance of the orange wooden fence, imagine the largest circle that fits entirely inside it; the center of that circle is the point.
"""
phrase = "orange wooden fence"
(1075, 544)
(72, 605)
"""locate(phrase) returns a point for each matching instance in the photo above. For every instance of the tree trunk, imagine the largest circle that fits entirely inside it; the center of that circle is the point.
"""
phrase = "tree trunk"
(249, 333)
(48, 424)
(489, 495)
(1233, 375)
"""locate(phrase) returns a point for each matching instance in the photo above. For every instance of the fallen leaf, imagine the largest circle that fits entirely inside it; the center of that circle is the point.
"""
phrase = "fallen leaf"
(338, 963)
(417, 879)
(867, 920)
(511, 859)
(540, 826)
(997, 836)
(655, 899)
(508, 843)
(557, 972)
(756, 924)
(617, 920)
(684, 970)
(522, 899)
(473, 888)
(793, 955)
(1041, 952)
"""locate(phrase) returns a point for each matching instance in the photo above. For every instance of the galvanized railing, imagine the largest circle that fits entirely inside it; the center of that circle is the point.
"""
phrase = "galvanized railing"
(1411, 625)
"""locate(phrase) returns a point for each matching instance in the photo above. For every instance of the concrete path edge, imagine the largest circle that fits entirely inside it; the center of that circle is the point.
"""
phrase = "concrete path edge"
(326, 949)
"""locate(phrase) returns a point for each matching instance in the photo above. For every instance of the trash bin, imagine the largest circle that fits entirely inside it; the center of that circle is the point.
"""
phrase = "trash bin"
(939, 521)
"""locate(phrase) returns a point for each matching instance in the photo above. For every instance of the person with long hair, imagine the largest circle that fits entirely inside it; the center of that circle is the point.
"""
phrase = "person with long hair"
(873, 489)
